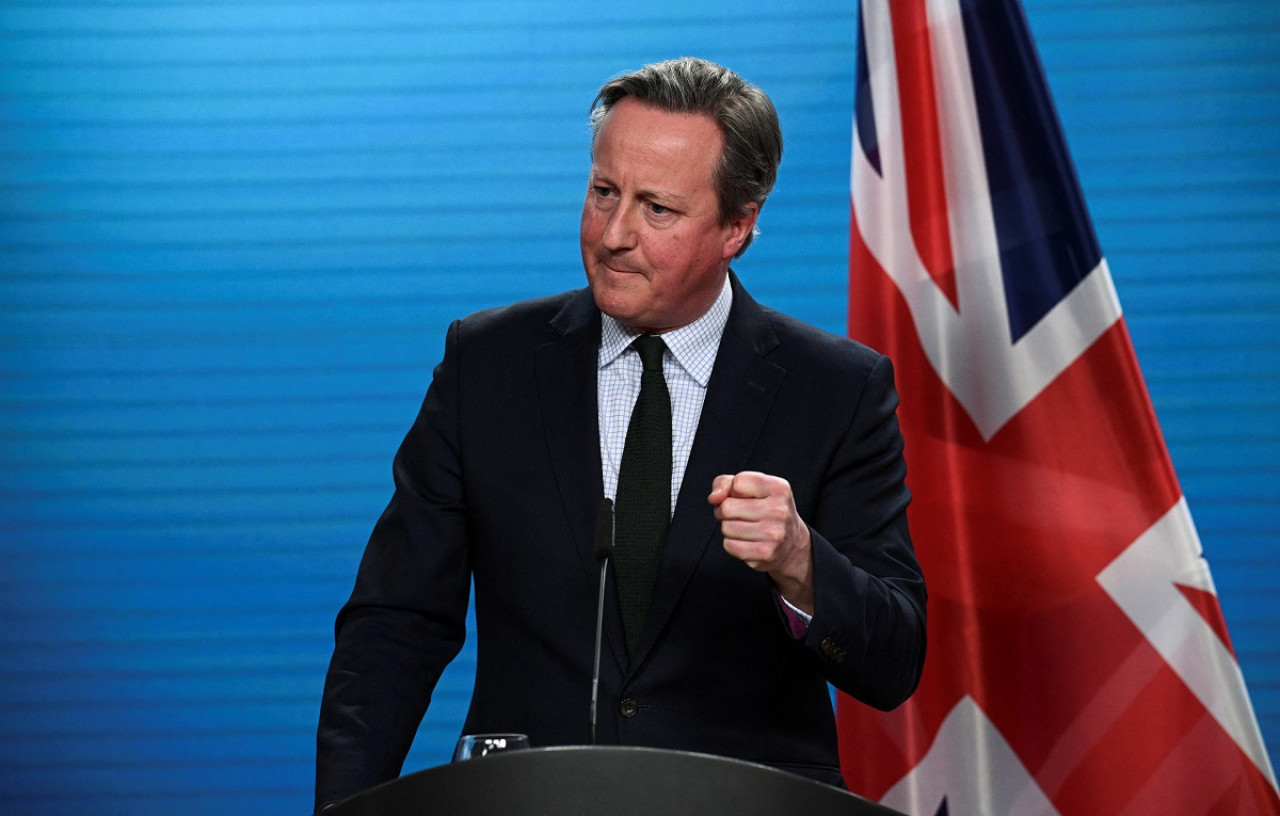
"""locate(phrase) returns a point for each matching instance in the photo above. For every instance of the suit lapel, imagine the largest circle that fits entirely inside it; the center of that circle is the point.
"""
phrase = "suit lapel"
(739, 395)
(566, 377)
(567, 369)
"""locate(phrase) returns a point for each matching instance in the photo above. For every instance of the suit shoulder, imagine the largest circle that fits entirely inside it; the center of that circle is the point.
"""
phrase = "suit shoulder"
(526, 320)
(806, 341)
(536, 310)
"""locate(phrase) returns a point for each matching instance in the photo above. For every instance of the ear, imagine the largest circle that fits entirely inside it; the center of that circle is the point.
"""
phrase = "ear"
(738, 230)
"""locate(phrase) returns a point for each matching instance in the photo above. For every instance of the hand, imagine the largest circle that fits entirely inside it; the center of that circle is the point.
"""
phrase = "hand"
(762, 528)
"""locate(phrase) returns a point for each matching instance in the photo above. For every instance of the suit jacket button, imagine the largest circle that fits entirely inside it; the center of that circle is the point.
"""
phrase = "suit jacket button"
(831, 651)
(628, 708)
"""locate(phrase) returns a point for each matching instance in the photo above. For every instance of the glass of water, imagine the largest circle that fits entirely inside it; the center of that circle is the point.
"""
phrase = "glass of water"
(473, 746)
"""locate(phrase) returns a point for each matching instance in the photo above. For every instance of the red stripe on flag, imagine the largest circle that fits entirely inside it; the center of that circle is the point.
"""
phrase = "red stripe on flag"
(1206, 603)
(923, 144)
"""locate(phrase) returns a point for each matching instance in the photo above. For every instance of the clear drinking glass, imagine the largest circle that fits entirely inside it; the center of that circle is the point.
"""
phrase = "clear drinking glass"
(473, 746)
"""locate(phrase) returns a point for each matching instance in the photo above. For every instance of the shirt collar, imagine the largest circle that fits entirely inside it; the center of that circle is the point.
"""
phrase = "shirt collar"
(693, 346)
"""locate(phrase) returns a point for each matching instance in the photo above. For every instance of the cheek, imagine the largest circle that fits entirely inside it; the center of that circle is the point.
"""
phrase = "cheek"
(667, 251)
(586, 226)
(680, 257)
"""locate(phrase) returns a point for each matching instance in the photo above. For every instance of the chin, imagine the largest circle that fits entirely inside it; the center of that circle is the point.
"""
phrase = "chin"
(613, 296)
(617, 308)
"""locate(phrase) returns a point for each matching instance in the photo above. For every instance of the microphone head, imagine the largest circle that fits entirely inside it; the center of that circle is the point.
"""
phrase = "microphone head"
(604, 530)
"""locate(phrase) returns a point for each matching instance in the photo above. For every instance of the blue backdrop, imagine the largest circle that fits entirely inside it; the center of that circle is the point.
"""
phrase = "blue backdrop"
(232, 234)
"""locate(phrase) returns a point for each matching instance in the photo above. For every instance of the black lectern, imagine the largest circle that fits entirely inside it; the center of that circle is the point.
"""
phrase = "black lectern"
(611, 781)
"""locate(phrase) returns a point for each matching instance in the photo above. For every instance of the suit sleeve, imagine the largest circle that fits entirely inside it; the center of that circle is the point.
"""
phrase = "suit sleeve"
(406, 617)
(868, 630)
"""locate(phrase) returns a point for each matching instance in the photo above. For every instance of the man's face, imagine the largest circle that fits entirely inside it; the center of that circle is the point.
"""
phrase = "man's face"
(652, 244)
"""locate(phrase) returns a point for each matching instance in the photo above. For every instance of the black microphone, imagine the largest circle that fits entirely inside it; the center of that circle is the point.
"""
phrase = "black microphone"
(604, 551)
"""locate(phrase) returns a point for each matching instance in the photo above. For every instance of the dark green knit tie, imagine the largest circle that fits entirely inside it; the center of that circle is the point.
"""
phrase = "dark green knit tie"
(643, 504)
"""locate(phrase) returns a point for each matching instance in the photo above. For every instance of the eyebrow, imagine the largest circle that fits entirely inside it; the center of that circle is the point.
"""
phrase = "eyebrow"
(665, 197)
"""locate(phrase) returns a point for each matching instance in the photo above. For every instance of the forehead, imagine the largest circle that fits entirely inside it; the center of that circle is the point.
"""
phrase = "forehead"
(639, 138)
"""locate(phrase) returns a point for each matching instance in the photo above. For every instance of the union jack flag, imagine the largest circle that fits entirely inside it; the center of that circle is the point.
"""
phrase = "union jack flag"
(1078, 661)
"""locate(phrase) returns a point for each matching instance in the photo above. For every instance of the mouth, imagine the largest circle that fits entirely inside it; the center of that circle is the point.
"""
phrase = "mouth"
(613, 269)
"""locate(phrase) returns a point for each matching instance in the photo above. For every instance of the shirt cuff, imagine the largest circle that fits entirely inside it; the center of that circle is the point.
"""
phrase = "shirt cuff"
(797, 620)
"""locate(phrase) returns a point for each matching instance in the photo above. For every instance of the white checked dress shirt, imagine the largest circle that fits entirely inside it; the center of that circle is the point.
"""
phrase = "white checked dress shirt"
(686, 365)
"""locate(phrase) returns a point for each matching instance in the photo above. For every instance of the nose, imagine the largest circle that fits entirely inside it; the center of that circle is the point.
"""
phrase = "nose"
(619, 231)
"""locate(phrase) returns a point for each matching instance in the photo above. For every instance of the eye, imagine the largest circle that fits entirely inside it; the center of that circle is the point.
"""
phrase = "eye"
(658, 209)
(602, 191)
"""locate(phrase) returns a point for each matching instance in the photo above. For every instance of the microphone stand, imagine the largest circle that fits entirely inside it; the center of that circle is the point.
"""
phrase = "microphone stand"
(604, 550)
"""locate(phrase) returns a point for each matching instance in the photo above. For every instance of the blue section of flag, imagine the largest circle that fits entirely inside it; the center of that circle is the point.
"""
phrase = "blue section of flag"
(864, 114)
(1046, 241)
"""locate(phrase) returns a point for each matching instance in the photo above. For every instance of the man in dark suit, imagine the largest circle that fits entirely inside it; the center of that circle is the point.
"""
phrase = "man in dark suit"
(784, 562)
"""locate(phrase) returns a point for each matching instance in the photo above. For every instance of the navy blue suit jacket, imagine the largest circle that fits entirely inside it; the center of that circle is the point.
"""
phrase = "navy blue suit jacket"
(499, 480)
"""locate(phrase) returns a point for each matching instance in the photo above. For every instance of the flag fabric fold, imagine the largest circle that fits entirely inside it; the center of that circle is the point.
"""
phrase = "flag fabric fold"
(1077, 663)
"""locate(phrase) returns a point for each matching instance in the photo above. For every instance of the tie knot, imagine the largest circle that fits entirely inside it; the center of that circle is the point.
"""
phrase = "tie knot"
(650, 348)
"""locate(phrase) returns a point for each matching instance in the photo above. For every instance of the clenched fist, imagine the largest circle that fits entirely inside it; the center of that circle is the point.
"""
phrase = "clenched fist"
(762, 528)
